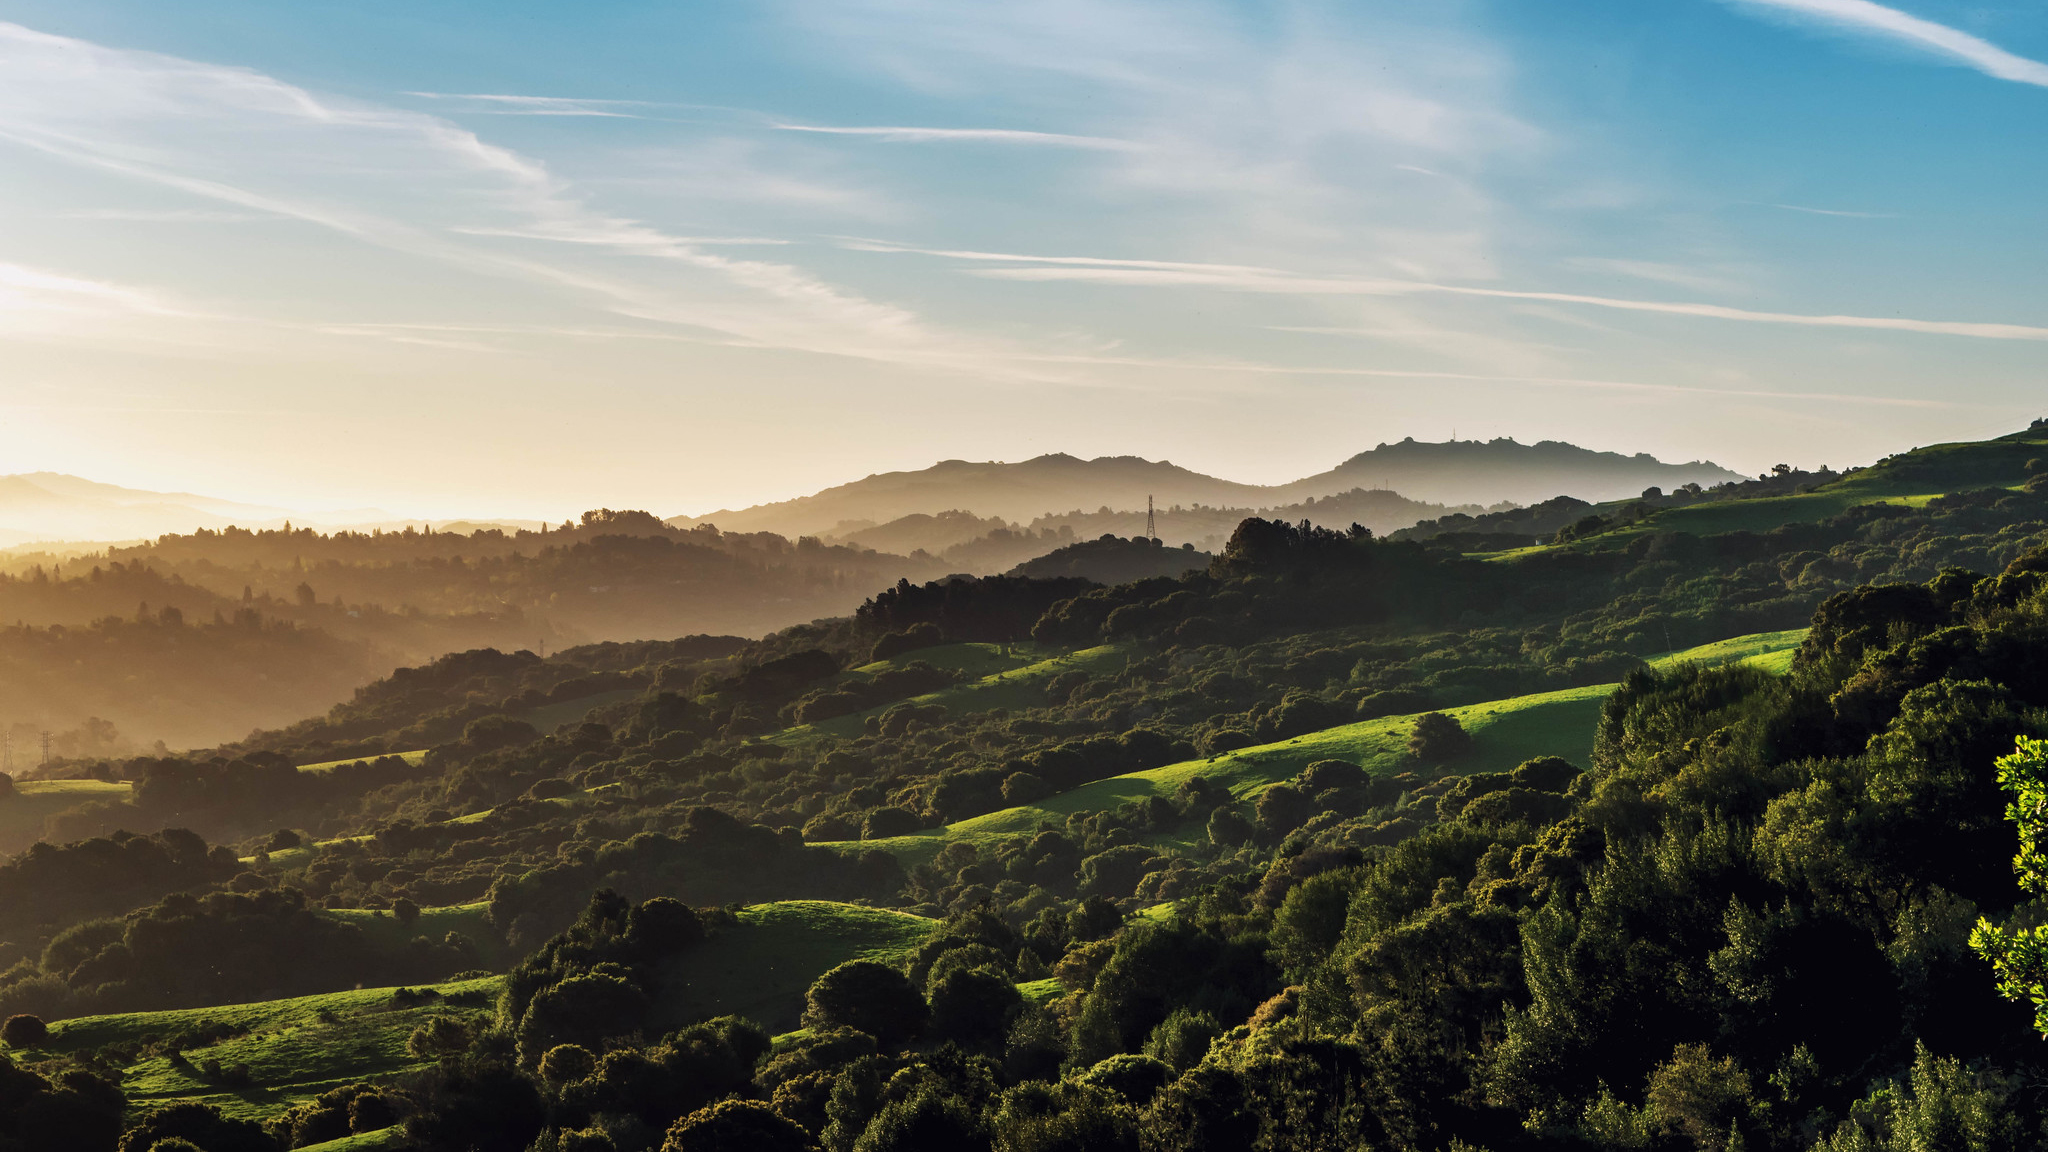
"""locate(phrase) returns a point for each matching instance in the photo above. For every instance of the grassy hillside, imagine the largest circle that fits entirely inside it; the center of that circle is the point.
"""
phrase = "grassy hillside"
(1504, 733)
(34, 801)
(470, 920)
(1910, 478)
(760, 968)
(972, 659)
(549, 717)
(1767, 649)
(383, 1138)
(294, 1049)
(413, 757)
(1019, 686)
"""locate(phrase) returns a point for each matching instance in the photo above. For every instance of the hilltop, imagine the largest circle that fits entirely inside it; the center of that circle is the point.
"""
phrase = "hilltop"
(1489, 471)
(1427, 477)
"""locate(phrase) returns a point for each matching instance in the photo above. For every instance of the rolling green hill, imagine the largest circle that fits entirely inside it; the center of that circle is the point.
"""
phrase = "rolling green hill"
(471, 920)
(760, 968)
(1504, 733)
(1910, 478)
(413, 757)
(294, 1049)
(22, 815)
(1021, 685)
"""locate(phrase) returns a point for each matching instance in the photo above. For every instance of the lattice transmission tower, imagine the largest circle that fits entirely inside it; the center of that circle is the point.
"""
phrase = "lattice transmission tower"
(1151, 523)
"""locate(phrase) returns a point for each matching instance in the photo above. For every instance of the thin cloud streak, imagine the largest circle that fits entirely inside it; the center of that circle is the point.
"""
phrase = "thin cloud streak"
(1891, 24)
(941, 135)
(1478, 378)
(131, 103)
(1286, 283)
(1836, 212)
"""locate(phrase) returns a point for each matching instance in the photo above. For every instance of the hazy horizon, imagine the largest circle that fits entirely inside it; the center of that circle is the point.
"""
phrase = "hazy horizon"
(518, 262)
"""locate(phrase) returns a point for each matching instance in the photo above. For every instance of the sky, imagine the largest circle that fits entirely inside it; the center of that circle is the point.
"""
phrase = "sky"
(523, 259)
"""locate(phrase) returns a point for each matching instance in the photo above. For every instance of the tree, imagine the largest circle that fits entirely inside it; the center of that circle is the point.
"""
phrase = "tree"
(1069, 1117)
(566, 1064)
(202, 1124)
(24, 1031)
(581, 1010)
(930, 1120)
(1283, 808)
(2020, 955)
(868, 997)
(1182, 1039)
(1228, 829)
(736, 1126)
(1438, 738)
(973, 1006)
(407, 912)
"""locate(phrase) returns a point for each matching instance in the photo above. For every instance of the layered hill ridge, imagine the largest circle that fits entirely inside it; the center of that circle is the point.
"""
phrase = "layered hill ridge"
(1489, 471)
(1427, 476)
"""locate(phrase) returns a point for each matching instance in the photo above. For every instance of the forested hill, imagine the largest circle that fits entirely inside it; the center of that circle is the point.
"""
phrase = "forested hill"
(1684, 832)
(1424, 475)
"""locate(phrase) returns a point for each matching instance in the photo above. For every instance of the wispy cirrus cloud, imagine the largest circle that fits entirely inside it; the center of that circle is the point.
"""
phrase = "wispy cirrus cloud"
(1864, 17)
(500, 104)
(165, 215)
(1243, 278)
(1842, 212)
(426, 188)
(24, 289)
(966, 135)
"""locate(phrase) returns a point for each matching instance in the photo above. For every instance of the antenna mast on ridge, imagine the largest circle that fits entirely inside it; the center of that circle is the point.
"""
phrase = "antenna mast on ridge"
(1151, 524)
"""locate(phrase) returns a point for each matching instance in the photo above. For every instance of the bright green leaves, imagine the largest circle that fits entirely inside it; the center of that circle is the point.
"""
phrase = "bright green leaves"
(2021, 954)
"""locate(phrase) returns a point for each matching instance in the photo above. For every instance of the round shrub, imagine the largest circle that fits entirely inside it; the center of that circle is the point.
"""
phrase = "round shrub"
(736, 1126)
(24, 1031)
(1228, 829)
(567, 1063)
(1545, 774)
(1331, 774)
(867, 997)
(973, 1007)
(1438, 738)
(1226, 740)
(1182, 1039)
(1023, 788)
(826, 827)
(1135, 1078)
(883, 823)
(1283, 808)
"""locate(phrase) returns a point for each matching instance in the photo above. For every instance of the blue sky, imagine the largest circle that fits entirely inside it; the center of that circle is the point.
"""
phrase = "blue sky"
(525, 258)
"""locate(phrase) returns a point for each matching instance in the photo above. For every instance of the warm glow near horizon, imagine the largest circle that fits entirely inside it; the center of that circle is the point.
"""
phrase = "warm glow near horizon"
(522, 260)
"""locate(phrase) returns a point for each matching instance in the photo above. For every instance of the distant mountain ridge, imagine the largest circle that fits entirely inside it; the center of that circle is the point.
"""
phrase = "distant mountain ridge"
(1490, 471)
(1458, 472)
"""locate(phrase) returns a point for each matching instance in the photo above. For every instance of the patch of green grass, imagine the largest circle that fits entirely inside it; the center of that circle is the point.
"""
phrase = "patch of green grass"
(293, 1051)
(1040, 991)
(413, 758)
(761, 967)
(972, 659)
(1021, 687)
(1757, 648)
(381, 1138)
(22, 814)
(1911, 479)
(1504, 733)
(549, 717)
(471, 920)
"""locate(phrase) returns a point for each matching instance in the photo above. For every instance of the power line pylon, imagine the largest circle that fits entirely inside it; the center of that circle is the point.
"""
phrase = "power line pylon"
(1151, 524)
